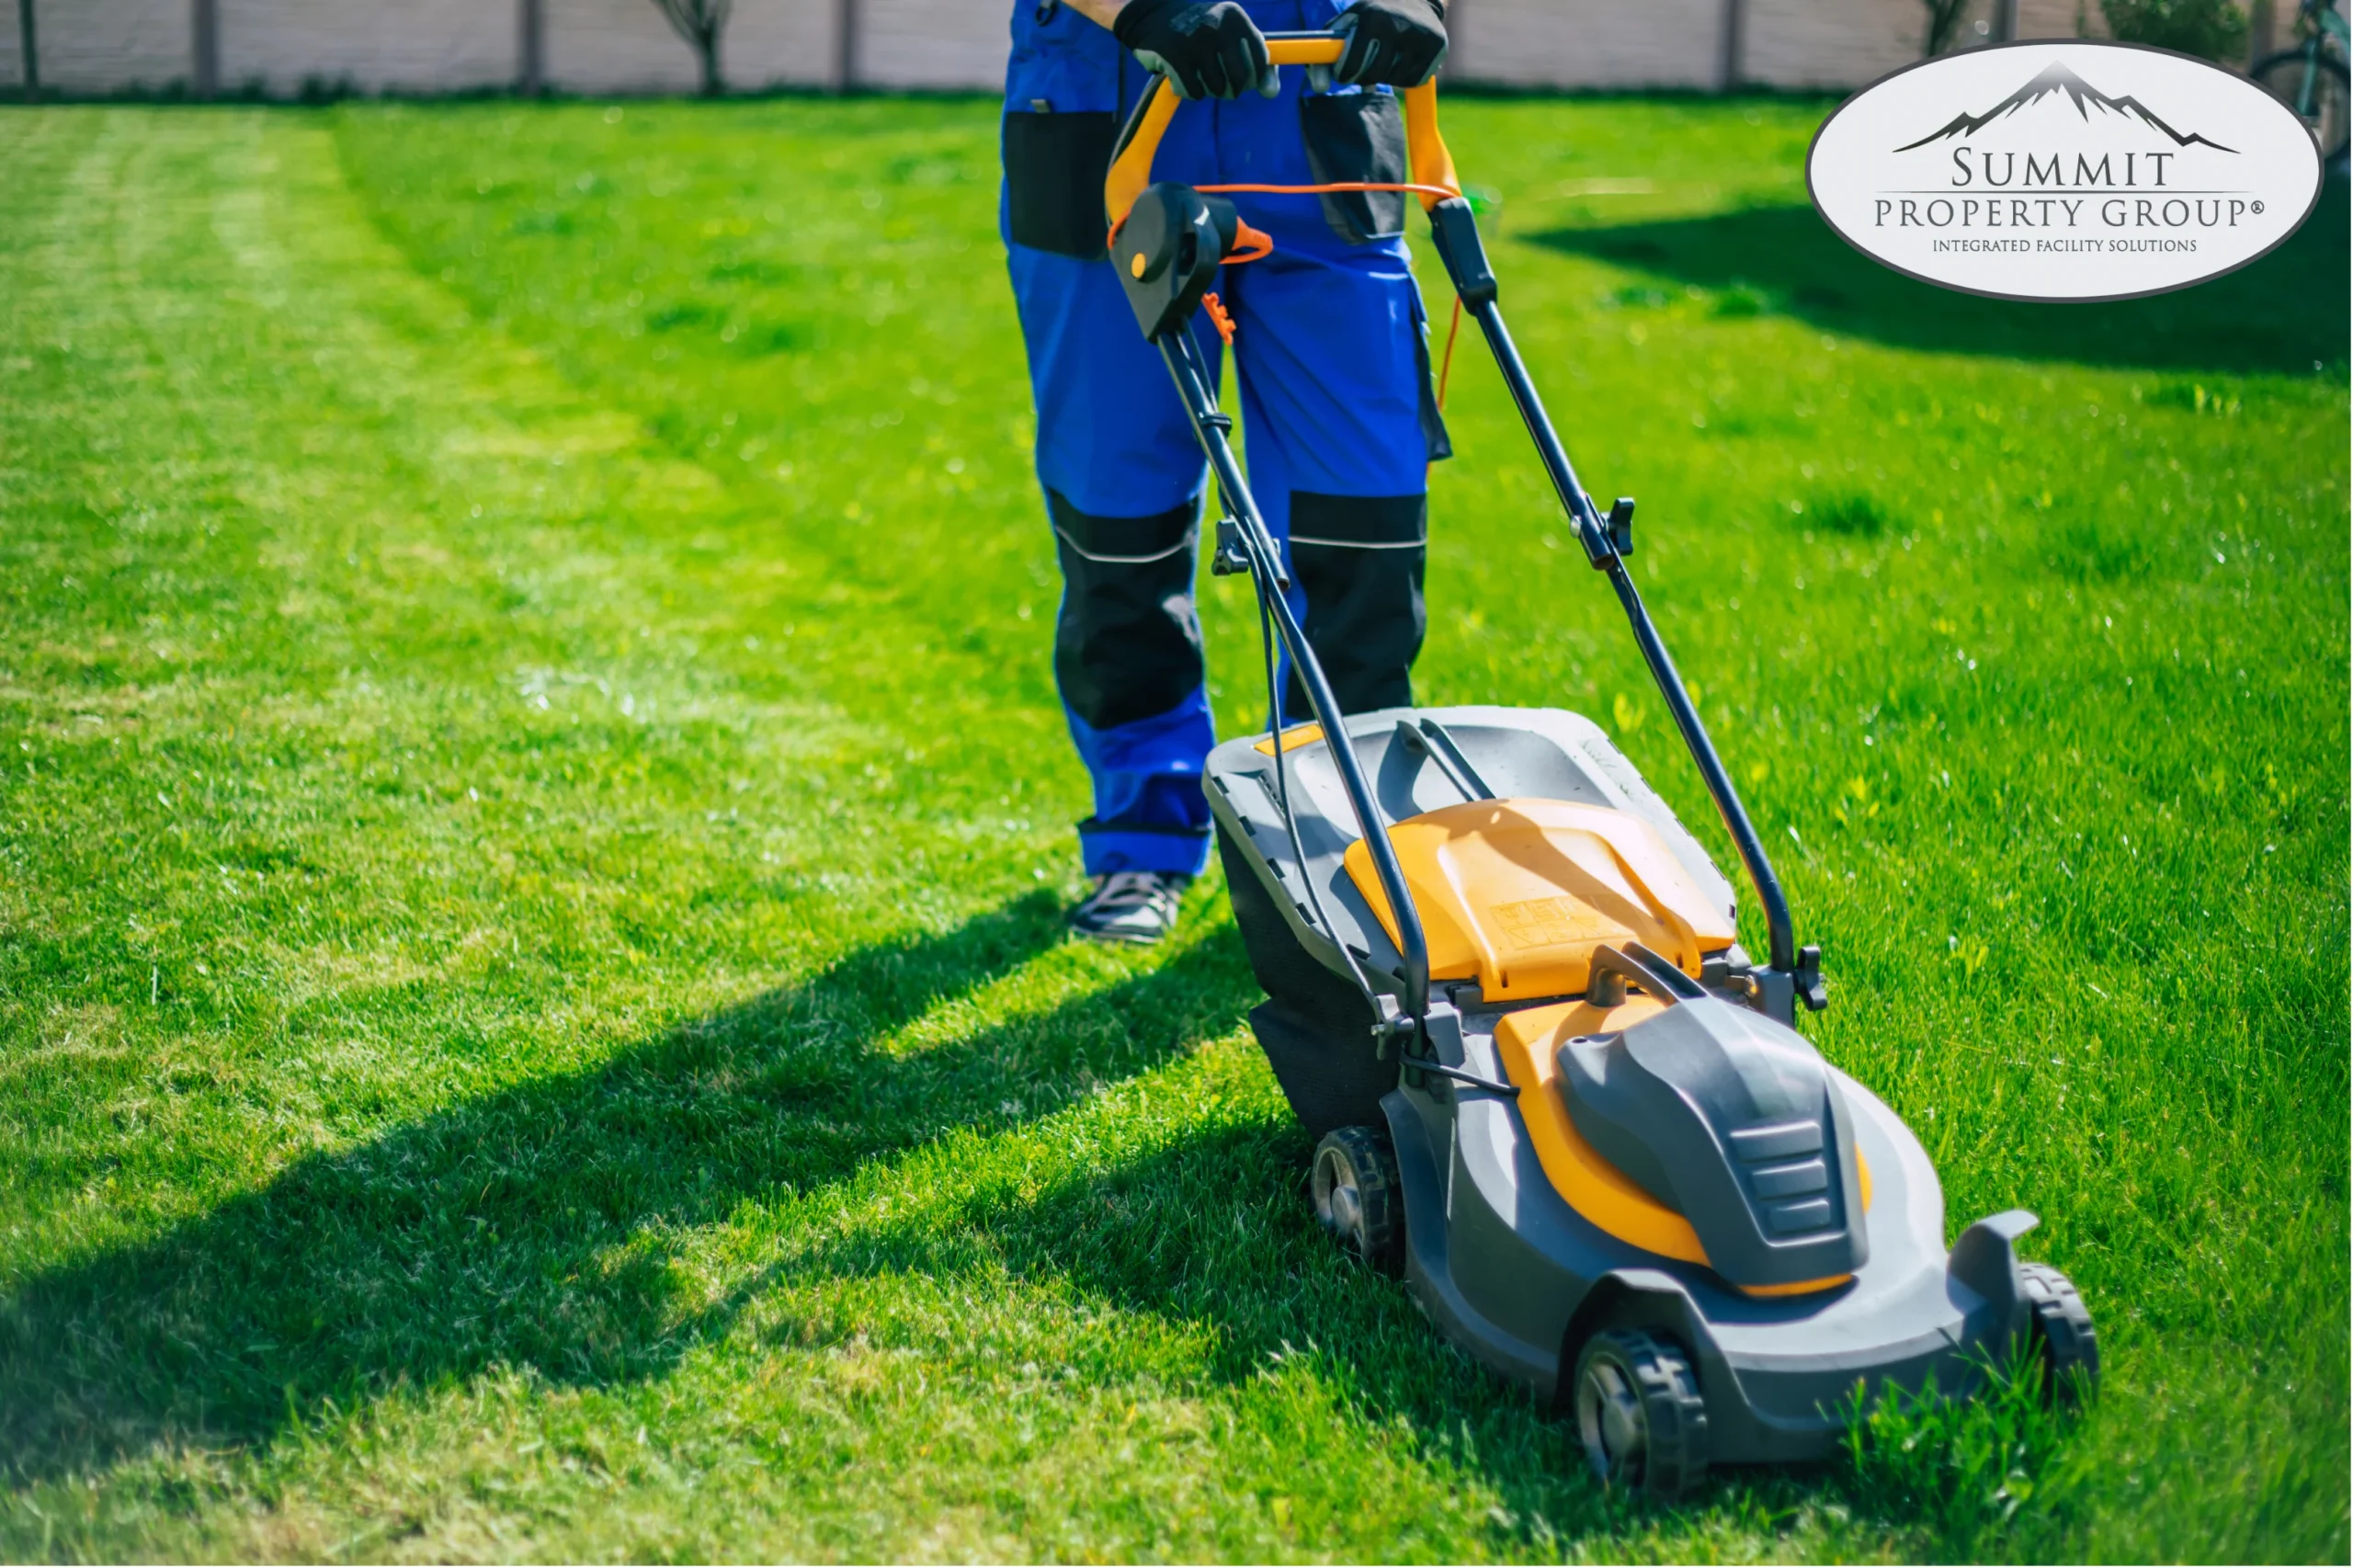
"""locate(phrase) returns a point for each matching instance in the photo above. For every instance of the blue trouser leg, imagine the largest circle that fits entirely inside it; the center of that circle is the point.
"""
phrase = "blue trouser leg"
(1338, 458)
(1338, 426)
(1122, 474)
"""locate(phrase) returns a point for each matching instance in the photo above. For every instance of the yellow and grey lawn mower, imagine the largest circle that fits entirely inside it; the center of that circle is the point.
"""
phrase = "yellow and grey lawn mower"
(1504, 992)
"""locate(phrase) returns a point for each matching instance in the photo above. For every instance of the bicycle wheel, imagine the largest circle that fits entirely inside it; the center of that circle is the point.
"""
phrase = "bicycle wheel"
(2316, 90)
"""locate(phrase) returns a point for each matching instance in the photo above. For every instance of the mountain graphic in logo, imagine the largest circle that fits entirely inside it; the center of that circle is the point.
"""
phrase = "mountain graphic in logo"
(2081, 94)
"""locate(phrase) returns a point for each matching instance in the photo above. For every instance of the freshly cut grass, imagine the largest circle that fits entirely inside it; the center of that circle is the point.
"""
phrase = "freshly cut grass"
(533, 1021)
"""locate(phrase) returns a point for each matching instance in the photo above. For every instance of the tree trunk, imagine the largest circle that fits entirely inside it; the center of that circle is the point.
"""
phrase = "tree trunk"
(707, 53)
(1944, 21)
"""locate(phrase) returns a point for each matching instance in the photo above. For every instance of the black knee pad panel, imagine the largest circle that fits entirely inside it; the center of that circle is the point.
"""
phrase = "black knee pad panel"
(1128, 641)
(1359, 560)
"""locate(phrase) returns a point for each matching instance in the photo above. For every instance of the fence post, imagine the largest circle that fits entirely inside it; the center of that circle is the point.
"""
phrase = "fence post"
(31, 48)
(531, 47)
(845, 45)
(1733, 58)
(206, 41)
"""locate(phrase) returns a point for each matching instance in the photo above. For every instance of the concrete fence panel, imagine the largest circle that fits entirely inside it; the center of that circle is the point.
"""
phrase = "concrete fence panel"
(102, 46)
(390, 45)
(1830, 43)
(626, 46)
(925, 43)
(777, 43)
(619, 46)
(1589, 43)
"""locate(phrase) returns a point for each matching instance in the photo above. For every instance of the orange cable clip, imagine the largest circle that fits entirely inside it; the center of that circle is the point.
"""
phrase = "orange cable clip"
(1219, 317)
(1245, 235)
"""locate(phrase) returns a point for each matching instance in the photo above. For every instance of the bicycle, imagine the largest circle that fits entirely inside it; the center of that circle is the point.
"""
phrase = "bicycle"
(2311, 77)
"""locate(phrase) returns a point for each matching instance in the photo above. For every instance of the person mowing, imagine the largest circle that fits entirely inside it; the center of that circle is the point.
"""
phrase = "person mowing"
(1330, 345)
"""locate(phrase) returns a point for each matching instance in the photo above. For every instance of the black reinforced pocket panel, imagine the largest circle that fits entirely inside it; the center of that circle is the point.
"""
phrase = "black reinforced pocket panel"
(1054, 165)
(1356, 137)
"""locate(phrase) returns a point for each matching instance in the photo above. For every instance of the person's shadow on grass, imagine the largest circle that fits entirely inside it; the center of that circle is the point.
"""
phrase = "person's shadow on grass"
(535, 1230)
(532, 1229)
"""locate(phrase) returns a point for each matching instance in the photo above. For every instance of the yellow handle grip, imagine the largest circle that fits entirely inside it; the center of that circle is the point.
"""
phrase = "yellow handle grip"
(1130, 172)
(1306, 50)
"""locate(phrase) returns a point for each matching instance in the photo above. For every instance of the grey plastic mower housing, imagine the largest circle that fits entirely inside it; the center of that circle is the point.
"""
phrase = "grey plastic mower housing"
(1500, 1261)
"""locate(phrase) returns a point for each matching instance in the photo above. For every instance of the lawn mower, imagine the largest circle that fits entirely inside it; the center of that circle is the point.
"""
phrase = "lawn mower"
(1506, 995)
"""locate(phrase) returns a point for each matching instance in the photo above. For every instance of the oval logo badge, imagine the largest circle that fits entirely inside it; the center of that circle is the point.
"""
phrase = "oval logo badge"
(2064, 171)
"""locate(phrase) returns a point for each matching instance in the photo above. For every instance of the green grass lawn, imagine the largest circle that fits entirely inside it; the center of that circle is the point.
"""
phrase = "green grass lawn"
(534, 1020)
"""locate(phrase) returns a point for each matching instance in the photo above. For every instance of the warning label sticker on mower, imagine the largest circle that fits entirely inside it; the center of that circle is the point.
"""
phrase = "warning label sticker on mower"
(1555, 921)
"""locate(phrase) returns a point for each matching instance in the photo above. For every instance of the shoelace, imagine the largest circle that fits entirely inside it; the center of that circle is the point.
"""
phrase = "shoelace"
(1129, 890)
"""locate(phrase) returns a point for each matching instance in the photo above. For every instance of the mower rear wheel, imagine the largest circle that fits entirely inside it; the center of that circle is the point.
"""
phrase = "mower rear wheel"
(1639, 1415)
(2063, 1333)
(1359, 1199)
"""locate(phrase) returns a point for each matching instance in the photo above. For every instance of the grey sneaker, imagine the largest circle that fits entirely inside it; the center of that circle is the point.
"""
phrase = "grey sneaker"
(1136, 907)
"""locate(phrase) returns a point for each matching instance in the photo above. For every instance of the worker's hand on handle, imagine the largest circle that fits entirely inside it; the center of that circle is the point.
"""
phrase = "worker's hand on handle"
(1207, 49)
(1392, 43)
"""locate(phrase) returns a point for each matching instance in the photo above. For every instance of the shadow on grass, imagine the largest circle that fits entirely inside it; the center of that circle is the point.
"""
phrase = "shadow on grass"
(1160, 1237)
(533, 1229)
(2285, 315)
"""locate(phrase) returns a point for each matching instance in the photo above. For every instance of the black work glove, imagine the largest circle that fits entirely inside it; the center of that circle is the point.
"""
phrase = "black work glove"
(1206, 51)
(1392, 43)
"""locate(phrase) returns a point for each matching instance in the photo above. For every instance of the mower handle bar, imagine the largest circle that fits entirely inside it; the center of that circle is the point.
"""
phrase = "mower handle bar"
(1131, 169)
(1792, 974)
(1267, 578)
(1454, 234)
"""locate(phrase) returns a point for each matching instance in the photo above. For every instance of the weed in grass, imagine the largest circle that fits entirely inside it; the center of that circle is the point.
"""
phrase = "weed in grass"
(1741, 300)
(1849, 515)
(2099, 549)
(2193, 396)
(1961, 1468)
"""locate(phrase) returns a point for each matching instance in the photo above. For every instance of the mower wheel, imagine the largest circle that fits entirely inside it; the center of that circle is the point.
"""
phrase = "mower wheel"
(2063, 1332)
(1359, 1197)
(1639, 1415)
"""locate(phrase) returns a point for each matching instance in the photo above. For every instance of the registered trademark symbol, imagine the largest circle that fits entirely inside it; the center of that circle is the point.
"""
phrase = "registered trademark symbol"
(2259, 206)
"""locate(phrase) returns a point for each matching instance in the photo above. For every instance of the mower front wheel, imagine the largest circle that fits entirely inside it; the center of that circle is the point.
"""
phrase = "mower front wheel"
(1639, 1415)
(1359, 1197)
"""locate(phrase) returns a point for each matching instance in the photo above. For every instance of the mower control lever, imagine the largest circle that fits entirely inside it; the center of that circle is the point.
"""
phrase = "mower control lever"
(1612, 969)
(1429, 739)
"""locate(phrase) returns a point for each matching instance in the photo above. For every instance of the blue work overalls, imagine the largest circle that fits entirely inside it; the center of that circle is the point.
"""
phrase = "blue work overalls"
(1331, 350)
